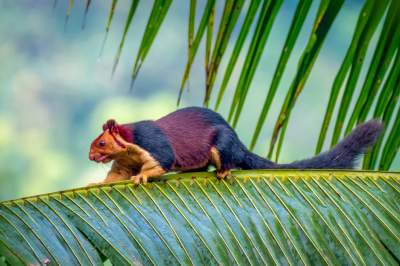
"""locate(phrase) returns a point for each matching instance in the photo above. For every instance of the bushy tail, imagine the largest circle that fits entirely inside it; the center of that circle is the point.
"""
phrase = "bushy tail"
(343, 156)
(253, 161)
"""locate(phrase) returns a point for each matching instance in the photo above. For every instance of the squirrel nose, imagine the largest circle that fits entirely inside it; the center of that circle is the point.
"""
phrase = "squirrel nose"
(91, 156)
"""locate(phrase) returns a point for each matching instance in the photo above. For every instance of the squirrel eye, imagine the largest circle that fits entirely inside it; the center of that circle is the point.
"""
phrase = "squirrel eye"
(102, 143)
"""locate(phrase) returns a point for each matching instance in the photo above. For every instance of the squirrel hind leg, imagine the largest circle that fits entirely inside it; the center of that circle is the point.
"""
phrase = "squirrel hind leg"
(222, 171)
(215, 158)
(229, 148)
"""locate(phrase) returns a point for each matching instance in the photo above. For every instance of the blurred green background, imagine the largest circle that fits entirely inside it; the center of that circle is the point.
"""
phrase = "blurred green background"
(56, 89)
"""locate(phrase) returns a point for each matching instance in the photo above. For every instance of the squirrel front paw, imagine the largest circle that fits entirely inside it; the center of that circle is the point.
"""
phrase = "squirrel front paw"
(140, 178)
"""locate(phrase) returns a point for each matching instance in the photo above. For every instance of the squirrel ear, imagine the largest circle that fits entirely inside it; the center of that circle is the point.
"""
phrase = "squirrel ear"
(111, 124)
(115, 129)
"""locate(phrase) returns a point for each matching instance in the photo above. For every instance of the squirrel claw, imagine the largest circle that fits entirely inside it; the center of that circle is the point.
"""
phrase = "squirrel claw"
(137, 179)
(223, 174)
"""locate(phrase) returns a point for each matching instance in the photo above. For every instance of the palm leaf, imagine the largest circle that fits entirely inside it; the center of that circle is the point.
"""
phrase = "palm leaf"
(245, 29)
(369, 30)
(192, 19)
(384, 108)
(298, 19)
(128, 22)
(108, 25)
(327, 12)
(384, 53)
(257, 217)
(68, 13)
(111, 14)
(228, 21)
(266, 19)
(157, 15)
(209, 38)
(392, 145)
(195, 45)
(363, 18)
(88, 2)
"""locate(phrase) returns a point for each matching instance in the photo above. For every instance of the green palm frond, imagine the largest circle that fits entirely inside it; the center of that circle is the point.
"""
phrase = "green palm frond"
(392, 145)
(245, 29)
(108, 25)
(355, 70)
(128, 22)
(298, 19)
(228, 21)
(326, 14)
(384, 53)
(87, 6)
(348, 63)
(69, 9)
(157, 15)
(375, 18)
(254, 218)
(268, 12)
(384, 109)
(193, 46)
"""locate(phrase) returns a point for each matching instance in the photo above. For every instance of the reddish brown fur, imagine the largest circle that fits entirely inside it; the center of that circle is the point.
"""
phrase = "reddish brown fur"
(109, 151)
(130, 161)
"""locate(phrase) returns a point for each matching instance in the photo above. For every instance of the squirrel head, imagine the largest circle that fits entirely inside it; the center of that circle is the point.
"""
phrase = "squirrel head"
(106, 146)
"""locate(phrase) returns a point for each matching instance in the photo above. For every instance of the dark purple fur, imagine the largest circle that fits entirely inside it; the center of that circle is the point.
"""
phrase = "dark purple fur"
(183, 139)
(190, 136)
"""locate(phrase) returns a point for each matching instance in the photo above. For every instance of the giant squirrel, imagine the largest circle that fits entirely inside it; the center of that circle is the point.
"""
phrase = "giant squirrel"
(193, 138)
